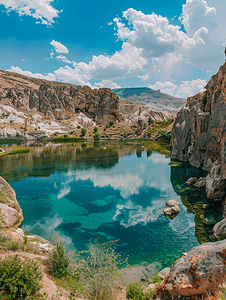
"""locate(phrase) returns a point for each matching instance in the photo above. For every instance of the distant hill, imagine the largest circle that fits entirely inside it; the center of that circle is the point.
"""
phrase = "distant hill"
(155, 99)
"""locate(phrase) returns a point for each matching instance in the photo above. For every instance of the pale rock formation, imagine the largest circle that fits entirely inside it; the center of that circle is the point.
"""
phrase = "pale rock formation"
(202, 269)
(172, 202)
(199, 134)
(10, 211)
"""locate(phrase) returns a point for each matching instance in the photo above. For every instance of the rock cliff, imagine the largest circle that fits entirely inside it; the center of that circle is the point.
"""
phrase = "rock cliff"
(64, 100)
(10, 211)
(199, 132)
(34, 104)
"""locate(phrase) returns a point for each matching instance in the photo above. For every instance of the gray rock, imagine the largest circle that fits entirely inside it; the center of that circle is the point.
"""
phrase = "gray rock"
(9, 216)
(172, 202)
(201, 183)
(10, 211)
(169, 211)
(219, 228)
(140, 125)
(201, 269)
(191, 180)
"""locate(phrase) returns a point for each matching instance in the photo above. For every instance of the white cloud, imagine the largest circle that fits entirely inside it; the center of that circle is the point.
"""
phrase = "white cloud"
(144, 77)
(72, 75)
(184, 90)
(63, 58)
(124, 63)
(128, 183)
(166, 87)
(49, 76)
(154, 34)
(58, 47)
(190, 88)
(197, 14)
(107, 84)
(38, 9)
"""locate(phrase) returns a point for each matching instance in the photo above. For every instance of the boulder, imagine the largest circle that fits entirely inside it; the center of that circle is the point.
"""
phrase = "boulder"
(50, 116)
(201, 183)
(171, 211)
(10, 211)
(202, 269)
(9, 216)
(172, 202)
(219, 228)
(191, 180)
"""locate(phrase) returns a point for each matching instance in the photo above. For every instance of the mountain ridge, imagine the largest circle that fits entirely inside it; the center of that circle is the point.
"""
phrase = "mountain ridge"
(153, 98)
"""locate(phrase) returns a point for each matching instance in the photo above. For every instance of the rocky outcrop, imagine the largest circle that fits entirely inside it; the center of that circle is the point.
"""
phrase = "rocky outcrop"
(10, 211)
(12, 133)
(199, 132)
(62, 101)
(202, 270)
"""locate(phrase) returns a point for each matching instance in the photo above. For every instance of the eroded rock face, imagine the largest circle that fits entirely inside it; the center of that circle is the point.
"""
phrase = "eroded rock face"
(64, 100)
(202, 269)
(199, 131)
(10, 211)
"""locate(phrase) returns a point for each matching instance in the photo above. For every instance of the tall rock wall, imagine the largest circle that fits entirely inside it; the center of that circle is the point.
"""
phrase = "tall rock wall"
(64, 100)
(199, 131)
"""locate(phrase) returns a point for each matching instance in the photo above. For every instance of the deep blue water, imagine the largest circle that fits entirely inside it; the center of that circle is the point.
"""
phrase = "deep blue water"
(84, 199)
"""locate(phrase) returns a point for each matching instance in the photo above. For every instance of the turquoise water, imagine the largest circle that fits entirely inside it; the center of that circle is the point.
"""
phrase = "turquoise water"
(87, 193)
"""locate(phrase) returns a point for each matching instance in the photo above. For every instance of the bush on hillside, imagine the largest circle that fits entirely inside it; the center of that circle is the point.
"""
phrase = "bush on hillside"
(59, 261)
(19, 278)
(83, 131)
(99, 270)
(97, 136)
(135, 292)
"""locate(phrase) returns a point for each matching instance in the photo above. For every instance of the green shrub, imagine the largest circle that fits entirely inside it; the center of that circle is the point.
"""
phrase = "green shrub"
(83, 131)
(95, 129)
(111, 123)
(135, 292)
(59, 261)
(11, 121)
(156, 279)
(222, 236)
(107, 126)
(97, 136)
(19, 278)
(3, 115)
(78, 127)
(55, 133)
(14, 246)
(99, 270)
(65, 135)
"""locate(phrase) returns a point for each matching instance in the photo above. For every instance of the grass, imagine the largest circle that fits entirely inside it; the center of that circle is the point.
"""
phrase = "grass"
(16, 150)
(67, 140)
(175, 163)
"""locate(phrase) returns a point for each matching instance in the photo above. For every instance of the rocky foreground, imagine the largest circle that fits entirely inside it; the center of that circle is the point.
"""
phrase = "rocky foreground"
(199, 137)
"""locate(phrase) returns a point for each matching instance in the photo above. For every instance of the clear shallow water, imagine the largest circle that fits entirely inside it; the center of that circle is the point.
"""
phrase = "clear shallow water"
(116, 193)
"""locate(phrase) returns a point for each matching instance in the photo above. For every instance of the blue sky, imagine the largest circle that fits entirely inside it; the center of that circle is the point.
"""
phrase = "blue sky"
(174, 46)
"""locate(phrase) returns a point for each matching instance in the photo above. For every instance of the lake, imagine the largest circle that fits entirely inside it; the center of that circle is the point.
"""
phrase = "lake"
(109, 191)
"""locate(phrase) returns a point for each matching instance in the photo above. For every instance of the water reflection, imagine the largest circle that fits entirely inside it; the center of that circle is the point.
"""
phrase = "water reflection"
(207, 212)
(102, 190)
